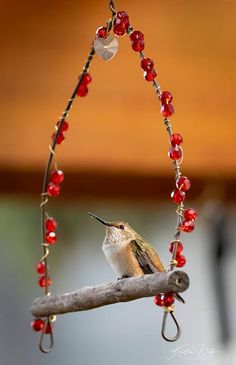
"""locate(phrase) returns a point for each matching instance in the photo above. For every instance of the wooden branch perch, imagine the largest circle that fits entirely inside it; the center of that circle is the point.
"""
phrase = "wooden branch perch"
(104, 294)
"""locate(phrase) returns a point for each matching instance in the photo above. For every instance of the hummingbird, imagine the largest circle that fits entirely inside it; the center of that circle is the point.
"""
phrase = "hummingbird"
(127, 252)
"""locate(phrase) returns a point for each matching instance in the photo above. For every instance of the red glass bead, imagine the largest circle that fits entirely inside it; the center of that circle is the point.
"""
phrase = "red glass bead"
(176, 139)
(64, 126)
(60, 138)
(37, 325)
(101, 32)
(178, 196)
(57, 176)
(187, 226)
(40, 267)
(42, 281)
(167, 110)
(53, 190)
(138, 45)
(175, 153)
(86, 79)
(183, 183)
(119, 30)
(82, 90)
(51, 237)
(190, 214)
(159, 300)
(179, 248)
(166, 97)
(50, 224)
(121, 23)
(147, 64)
(181, 261)
(48, 329)
(168, 299)
(137, 41)
(150, 75)
(136, 35)
(122, 18)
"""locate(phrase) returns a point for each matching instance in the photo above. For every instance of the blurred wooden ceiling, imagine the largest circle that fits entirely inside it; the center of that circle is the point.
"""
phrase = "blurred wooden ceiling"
(118, 126)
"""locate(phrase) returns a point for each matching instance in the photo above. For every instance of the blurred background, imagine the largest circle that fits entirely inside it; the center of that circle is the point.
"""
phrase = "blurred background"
(116, 166)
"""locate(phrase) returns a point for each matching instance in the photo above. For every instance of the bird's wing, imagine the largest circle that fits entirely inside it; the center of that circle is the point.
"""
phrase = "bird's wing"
(149, 259)
(147, 256)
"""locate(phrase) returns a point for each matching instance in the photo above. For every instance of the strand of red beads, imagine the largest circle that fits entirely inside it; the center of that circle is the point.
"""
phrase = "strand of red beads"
(51, 188)
(185, 217)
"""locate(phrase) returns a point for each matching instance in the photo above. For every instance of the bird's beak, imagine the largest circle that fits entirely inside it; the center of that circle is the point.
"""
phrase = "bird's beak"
(100, 220)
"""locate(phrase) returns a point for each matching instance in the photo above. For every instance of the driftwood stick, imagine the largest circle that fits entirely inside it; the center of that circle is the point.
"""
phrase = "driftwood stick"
(104, 294)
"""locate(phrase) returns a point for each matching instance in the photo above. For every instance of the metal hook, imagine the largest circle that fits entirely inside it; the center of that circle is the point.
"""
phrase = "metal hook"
(163, 329)
(51, 341)
(110, 22)
(112, 6)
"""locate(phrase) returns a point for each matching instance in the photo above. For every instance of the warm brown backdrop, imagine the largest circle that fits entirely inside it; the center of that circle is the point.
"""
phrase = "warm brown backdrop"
(117, 128)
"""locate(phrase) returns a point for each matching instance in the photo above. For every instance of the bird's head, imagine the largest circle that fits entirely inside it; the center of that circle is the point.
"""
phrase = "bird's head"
(116, 231)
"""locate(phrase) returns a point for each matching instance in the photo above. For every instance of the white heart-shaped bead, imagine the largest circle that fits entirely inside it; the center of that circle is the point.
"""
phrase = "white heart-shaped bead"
(106, 48)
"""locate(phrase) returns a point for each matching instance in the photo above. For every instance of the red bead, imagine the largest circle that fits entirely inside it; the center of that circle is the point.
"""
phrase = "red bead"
(50, 224)
(121, 23)
(48, 329)
(122, 18)
(136, 35)
(187, 226)
(190, 214)
(119, 30)
(60, 138)
(178, 196)
(138, 45)
(181, 261)
(53, 190)
(175, 153)
(51, 237)
(168, 299)
(42, 282)
(176, 139)
(57, 176)
(40, 267)
(150, 75)
(64, 126)
(166, 97)
(86, 79)
(101, 32)
(82, 90)
(37, 325)
(183, 183)
(167, 110)
(159, 300)
(179, 248)
(147, 64)
(137, 41)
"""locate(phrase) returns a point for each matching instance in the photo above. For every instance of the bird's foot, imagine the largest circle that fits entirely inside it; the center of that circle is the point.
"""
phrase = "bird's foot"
(124, 277)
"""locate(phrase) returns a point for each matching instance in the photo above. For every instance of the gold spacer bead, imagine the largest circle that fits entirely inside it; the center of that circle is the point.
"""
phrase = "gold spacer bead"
(53, 318)
(169, 309)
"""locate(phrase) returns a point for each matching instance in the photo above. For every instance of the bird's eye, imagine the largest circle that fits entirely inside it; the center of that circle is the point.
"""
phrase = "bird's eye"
(122, 226)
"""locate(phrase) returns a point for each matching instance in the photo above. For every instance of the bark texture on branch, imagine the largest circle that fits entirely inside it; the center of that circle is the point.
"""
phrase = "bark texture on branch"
(104, 294)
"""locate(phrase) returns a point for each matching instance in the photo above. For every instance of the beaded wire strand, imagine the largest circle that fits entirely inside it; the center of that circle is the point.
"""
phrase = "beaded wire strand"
(176, 164)
(119, 21)
(44, 200)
